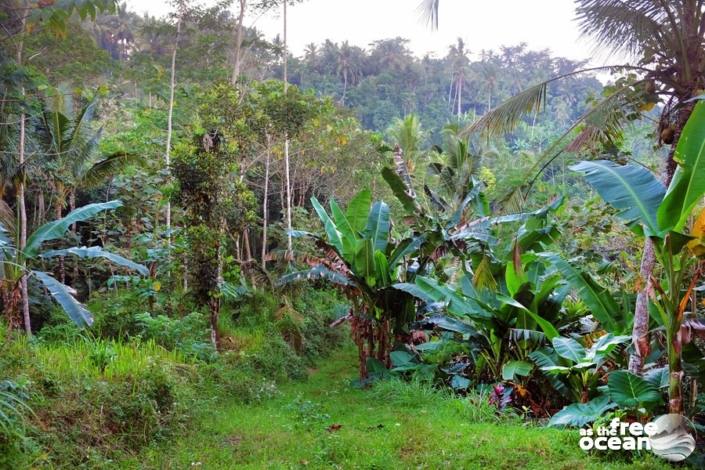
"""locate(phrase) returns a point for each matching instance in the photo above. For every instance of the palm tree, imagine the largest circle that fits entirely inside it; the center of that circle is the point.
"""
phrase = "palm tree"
(668, 40)
(459, 61)
(348, 67)
(71, 149)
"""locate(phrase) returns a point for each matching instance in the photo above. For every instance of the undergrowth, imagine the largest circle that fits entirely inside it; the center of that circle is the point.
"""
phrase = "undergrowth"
(74, 398)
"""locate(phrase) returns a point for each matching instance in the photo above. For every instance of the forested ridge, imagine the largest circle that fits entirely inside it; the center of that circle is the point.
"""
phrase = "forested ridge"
(213, 250)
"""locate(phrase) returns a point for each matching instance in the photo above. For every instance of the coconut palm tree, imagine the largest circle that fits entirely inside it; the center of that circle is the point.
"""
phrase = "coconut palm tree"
(348, 66)
(459, 61)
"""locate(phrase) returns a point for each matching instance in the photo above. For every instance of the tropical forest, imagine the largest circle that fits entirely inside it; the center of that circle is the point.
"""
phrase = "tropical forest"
(222, 247)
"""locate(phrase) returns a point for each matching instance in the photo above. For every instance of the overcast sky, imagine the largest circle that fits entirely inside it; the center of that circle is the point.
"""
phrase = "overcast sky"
(483, 24)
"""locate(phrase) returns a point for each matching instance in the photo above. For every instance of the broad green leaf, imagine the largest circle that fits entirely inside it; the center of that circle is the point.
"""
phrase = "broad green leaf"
(365, 263)
(631, 189)
(62, 295)
(396, 184)
(688, 185)
(97, 252)
(451, 324)
(358, 208)
(631, 391)
(658, 377)
(458, 382)
(382, 269)
(401, 358)
(605, 345)
(514, 279)
(516, 368)
(406, 247)
(569, 349)
(600, 301)
(580, 414)
(347, 234)
(547, 359)
(431, 291)
(378, 226)
(328, 224)
(56, 229)
(549, 330)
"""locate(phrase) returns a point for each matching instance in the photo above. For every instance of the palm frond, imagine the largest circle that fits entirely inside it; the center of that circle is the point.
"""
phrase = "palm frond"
(505, 117)
(106, 167)
(429, 12)
(624, 26)
(599, 124)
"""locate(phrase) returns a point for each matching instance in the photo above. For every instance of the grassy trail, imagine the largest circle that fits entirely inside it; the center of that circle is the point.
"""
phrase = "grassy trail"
(324, 423)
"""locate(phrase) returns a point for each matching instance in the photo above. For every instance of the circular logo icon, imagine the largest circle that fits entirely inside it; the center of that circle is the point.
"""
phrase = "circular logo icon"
(671, 439)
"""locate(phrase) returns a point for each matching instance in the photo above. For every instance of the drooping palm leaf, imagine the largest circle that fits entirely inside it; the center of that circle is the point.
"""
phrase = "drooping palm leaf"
(97, 252)
(105, 167)
(57, 228)
(623, 26)
(631, 189)
(601, 123)
(429, 12)
(63, 296)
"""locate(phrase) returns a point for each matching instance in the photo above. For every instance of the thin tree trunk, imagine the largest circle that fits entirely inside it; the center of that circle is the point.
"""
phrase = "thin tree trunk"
(460, 97)
(21, 196)
(265, 207)
(167, 158)
(238, 42)
(345, 88)
(23, 224)
(289, 244)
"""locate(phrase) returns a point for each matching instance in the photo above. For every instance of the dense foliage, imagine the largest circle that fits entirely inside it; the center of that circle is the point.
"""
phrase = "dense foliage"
(191, 216)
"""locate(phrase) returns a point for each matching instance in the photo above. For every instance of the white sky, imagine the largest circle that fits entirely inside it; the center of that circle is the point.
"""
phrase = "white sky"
(483, 24)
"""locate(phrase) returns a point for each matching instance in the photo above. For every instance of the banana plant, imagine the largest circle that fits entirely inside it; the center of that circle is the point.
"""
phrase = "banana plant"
(510, 300)
(651, 210)
(574, 370)
(14, 264)
(359, 256)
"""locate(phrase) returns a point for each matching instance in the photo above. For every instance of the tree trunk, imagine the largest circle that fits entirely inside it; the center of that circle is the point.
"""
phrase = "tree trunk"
(640, 330)
(460, 97)
(238, 42)
(345, 88)
(167, 158)
(21, 197)
(289, 243)
(265, 207)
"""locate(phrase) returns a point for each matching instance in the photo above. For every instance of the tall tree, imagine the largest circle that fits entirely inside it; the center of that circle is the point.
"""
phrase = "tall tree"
(458, 56)
(170, 117)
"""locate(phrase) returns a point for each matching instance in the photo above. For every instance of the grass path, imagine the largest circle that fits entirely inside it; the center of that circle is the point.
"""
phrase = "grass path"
(324, 423)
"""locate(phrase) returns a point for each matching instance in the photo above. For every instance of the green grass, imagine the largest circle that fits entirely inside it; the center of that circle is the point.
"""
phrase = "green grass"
(393, 425)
